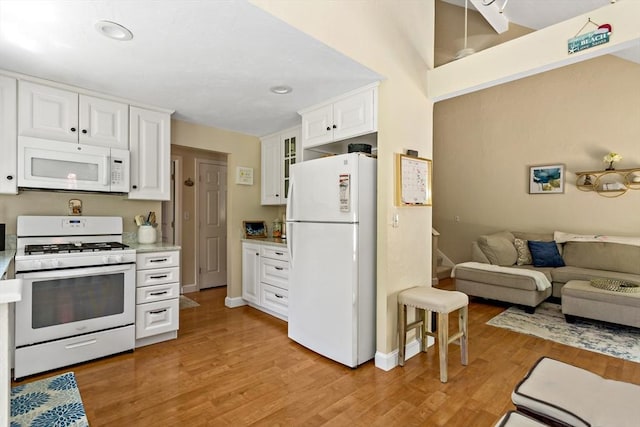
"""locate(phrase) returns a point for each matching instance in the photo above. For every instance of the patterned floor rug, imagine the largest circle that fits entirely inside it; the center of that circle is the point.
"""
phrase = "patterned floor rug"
(548, 323)
(50, 402)
(186, 302)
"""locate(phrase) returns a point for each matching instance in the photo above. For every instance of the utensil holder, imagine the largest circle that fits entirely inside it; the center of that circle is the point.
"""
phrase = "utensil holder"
(146, 234)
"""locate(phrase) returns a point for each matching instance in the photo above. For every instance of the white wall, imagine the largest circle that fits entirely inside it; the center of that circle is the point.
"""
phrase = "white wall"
(485, 142)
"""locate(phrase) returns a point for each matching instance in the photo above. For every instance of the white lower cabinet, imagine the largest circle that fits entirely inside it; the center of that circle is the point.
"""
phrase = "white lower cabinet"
(265, 278)
(157, 296)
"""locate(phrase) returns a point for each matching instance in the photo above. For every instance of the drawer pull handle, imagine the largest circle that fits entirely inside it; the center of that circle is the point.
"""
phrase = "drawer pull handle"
(80, 344)
(280, 253)
(158, 293)
(158, 311)
(279, 268)
(278, 296)
(158, 277)
(159, 260)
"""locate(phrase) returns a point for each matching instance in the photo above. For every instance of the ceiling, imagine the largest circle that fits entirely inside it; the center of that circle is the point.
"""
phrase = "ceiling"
(538, 14)
(213, 62)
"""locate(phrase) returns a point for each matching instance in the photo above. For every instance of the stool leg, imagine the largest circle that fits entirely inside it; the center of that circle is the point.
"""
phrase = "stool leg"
(402, 324)
(464, 339)
(422, 315)
(443, 344)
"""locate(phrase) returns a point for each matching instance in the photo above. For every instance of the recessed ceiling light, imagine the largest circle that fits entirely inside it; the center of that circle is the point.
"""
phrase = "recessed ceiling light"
(113, 30)
(280, 90)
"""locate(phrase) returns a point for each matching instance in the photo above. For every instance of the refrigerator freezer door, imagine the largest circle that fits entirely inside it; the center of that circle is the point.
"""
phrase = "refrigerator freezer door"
(323, 289)
(325, 189)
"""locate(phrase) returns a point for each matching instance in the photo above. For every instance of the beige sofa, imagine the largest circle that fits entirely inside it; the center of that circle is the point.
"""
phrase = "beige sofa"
(584, 258)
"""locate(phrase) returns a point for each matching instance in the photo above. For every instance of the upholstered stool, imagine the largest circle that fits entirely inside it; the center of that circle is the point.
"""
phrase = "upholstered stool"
(426, 299)
(561, 394)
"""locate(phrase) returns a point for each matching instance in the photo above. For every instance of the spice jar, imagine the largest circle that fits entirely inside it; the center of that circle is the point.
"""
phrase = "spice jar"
(277, 228)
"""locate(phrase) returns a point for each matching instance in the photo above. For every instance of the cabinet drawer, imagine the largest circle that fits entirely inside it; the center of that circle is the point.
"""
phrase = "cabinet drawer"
(148, 260)
(157, 293)
(274, 253)
(157, 317)
(274, 299)
(157, 276)
(274, 272)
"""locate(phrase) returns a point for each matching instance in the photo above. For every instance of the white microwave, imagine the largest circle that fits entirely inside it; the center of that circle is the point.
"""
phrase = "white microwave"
(57, 165)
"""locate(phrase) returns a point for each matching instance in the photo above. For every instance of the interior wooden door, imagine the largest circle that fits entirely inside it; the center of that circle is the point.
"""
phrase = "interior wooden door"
(212, 224)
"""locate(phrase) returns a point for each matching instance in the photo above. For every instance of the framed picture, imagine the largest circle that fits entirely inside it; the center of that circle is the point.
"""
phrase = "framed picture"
(254, 229)
(546, 179)
(244, 175)
(413, 181)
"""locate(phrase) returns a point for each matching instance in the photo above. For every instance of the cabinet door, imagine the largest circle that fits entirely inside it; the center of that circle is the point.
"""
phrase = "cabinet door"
(354, 116)
(251, 273)
(317, 127)
(158, 317)
(8, 138)
(289, 142)
(149, 142)
(104, 123)
(271, 171)
(47, 112)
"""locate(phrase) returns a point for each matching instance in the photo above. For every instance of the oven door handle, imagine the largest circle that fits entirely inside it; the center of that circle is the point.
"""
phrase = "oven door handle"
(76, 272)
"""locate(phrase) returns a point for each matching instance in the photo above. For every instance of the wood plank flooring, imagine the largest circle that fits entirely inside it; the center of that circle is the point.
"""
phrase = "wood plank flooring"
(237, 367)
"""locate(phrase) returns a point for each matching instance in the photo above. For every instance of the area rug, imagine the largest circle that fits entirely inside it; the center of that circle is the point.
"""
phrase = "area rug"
(50, 402)
(186, 302)
(548, 322)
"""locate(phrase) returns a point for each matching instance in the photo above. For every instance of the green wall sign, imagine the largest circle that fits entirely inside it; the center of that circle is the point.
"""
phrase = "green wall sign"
(589, 40)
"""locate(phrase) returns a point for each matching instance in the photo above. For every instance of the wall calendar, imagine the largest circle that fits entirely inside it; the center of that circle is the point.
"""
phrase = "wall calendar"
(413, 181)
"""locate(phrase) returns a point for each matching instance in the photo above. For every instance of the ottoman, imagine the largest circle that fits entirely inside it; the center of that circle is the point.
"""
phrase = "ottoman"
(516, 419)
(561, 394)
(581, 299)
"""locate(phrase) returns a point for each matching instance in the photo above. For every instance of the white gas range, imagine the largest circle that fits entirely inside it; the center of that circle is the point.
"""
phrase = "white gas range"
(78, 291)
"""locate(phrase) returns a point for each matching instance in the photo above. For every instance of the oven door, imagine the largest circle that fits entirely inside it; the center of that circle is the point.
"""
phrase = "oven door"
(64, 303)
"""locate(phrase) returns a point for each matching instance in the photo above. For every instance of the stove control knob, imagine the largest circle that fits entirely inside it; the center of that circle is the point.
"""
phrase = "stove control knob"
(118, 258)
(55, 263)
(105, 259)
(37, 264)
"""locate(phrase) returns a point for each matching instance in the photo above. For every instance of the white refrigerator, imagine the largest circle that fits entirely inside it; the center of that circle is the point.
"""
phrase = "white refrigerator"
(331, 235)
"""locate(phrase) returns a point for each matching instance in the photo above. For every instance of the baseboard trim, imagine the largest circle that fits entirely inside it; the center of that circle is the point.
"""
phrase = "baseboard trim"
(388, 361)
(233, 302)
(186, 289)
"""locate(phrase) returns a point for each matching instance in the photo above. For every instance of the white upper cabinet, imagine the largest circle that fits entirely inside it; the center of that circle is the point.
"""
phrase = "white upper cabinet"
(104, 122)
(278, 152)
(150, 146)
(348, 116)
(8, 137)
(52, 113)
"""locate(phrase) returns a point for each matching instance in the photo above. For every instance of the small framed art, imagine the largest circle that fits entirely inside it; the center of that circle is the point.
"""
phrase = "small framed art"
(254, 229)
(244, 175)
(546, 179)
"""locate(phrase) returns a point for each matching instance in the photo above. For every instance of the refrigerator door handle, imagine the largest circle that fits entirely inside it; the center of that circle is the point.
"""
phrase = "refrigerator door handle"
(289, 240)
(291, 195)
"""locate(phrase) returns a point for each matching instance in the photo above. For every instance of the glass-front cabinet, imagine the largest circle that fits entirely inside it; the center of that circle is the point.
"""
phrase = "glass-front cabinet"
(279, 152)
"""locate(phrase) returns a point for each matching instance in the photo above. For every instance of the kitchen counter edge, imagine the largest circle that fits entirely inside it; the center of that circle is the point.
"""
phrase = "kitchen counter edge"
(153, 247)
(273, 241)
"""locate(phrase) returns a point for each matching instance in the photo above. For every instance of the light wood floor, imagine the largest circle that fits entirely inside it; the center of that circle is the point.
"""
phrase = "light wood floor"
(237, 367)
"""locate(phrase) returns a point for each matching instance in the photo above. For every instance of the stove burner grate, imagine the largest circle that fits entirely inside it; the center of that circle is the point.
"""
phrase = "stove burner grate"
(62, 248)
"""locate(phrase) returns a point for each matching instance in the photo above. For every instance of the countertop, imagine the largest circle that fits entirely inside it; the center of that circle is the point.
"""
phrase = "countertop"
(276, 241)
(152, 247)
(5, 260)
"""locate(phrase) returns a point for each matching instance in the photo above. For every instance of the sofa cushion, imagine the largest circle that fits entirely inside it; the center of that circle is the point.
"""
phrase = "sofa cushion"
(545, 254)
(603, 256)
(499, 248)
(524, 254)
(564, 274)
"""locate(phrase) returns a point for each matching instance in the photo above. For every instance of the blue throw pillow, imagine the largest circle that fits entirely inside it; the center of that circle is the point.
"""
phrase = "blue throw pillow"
(545, 254)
